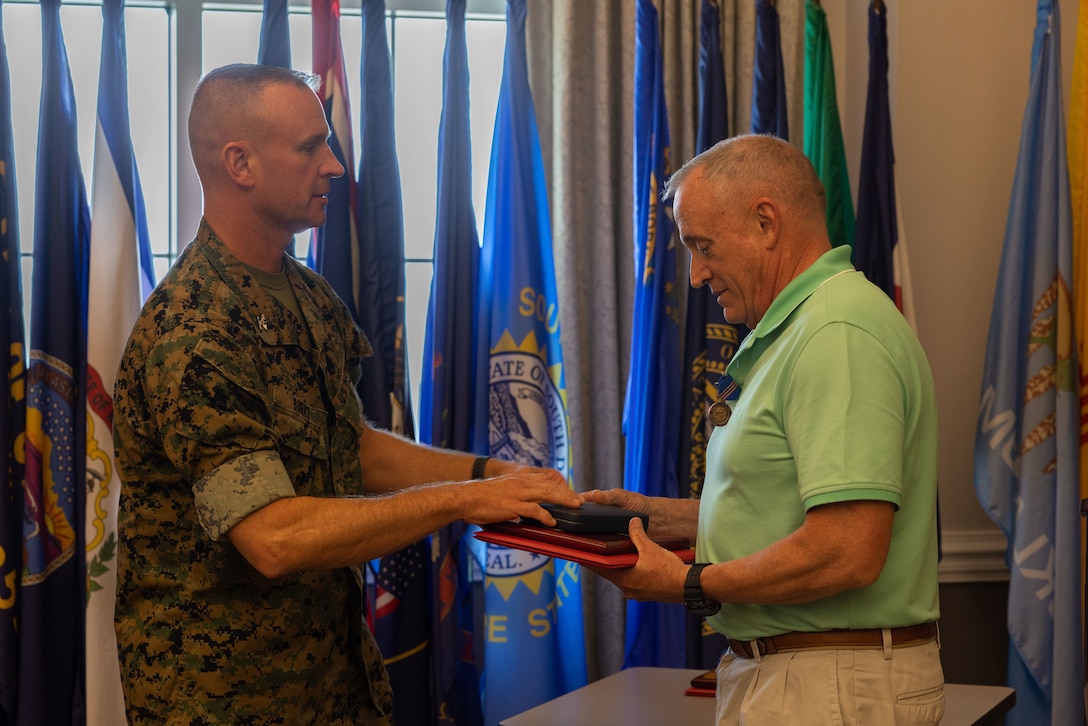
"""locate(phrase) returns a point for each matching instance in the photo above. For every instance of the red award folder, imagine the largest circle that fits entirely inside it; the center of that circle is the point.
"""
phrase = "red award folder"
(605, 549)
(704, 684)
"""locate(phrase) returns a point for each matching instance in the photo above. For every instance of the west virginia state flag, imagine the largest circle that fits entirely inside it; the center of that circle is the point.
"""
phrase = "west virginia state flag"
(121, 276)
(534, 637)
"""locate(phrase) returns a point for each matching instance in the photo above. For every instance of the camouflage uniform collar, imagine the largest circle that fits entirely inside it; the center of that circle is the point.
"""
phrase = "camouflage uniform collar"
(266, 316)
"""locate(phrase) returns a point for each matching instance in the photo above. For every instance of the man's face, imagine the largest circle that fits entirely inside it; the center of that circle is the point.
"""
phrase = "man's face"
(722, 236)
(294, 159)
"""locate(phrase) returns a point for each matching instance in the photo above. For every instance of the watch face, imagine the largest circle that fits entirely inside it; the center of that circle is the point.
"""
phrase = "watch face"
(703, 607)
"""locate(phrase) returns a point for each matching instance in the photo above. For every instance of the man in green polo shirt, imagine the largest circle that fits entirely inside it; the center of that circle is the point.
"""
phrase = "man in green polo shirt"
(816, 534)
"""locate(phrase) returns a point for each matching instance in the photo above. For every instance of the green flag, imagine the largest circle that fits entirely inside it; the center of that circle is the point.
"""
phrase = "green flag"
(823, 133)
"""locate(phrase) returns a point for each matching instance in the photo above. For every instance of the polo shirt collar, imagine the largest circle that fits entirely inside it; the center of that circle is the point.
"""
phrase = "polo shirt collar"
(831, 263)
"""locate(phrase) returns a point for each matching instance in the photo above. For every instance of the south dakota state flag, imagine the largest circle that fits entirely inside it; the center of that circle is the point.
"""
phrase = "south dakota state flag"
(121, 275)
(53, 586)
(1027, 441)
(533, 641)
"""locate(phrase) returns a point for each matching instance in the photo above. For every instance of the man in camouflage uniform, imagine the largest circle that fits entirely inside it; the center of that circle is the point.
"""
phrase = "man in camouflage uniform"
(244, 454)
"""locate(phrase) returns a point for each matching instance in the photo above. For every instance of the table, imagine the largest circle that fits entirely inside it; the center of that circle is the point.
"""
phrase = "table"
(654, 696)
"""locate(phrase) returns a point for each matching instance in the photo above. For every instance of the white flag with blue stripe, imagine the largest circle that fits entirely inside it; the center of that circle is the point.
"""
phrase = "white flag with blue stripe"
(121, 276)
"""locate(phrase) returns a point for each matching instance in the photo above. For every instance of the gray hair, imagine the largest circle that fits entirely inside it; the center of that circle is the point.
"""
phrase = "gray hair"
(758, 163)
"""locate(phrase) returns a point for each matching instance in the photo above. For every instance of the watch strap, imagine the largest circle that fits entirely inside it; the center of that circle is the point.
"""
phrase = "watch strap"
(695, 599)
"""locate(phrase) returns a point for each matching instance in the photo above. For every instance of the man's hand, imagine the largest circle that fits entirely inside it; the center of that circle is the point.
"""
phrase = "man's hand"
(658, 575)
(619, 498)
(520, 494)
(668, 515)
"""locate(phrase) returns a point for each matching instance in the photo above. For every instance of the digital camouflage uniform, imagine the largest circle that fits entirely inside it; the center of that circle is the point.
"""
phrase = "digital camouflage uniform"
(225, 403)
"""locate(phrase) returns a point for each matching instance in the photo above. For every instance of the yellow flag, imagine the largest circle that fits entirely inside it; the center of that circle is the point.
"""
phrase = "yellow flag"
(1077, 140)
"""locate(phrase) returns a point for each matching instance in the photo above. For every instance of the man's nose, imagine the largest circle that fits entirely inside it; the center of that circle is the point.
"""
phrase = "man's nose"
(698, 273)
(333, 168)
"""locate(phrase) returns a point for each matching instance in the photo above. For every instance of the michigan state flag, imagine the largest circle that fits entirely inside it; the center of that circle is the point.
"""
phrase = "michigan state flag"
(533, 641)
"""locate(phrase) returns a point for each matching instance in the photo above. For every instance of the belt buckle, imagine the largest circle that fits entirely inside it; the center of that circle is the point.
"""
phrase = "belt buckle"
(765, 646)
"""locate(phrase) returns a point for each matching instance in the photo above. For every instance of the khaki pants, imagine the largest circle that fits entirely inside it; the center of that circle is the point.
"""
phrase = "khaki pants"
(876, 687)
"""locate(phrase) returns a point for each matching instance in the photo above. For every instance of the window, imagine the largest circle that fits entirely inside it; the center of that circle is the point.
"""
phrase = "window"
(161, 40)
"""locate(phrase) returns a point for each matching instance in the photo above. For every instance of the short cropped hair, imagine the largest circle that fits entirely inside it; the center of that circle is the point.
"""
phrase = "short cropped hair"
(760, 163)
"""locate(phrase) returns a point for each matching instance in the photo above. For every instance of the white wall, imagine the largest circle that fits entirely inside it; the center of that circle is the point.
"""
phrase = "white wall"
(959, 73)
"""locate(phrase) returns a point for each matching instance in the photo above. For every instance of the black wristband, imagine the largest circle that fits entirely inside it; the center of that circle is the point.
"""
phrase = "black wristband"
(478, 467)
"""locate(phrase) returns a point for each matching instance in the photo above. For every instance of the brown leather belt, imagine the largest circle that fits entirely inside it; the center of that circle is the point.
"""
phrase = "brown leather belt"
(835, 640)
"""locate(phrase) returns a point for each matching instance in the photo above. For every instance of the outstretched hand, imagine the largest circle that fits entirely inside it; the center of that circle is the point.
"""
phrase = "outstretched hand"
(519, 494)
(657, 576)
(619, 498)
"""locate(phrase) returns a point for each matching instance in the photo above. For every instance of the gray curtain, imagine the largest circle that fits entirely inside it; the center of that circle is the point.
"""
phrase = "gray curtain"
(581, 68)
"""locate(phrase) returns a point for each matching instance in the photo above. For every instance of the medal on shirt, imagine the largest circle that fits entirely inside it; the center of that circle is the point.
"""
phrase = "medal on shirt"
(720, 411)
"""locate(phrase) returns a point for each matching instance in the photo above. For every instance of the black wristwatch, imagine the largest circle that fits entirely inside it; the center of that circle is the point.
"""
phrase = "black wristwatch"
(694, 599)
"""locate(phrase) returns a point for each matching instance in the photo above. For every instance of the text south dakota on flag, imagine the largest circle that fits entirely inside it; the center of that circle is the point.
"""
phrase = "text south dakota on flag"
(534, 646)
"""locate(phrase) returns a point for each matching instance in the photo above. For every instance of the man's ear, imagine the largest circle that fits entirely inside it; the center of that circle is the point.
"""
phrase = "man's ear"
(238, 162)
(767, 217)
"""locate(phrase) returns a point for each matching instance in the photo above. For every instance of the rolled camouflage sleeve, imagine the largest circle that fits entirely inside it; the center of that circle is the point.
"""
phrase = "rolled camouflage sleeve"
(241, 486)
(208, 399)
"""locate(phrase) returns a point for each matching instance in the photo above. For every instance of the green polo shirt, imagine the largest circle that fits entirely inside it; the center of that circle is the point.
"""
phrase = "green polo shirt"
(836, 404)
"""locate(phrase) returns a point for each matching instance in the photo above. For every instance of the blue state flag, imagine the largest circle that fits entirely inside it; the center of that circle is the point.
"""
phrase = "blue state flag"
(534, 646)
(53, 580)
(655, 632)
(1027, 441)
(121, 275)
(275, 45)
(447, 387)
(877, 230)
(769, 75)
(709, 341)
(13, 396)
(379, 291)
(402, 618)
